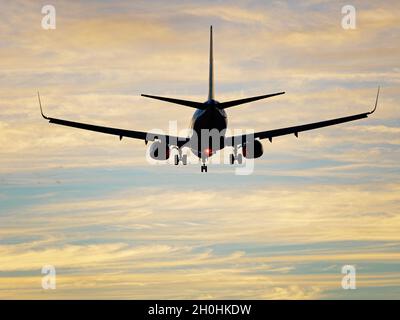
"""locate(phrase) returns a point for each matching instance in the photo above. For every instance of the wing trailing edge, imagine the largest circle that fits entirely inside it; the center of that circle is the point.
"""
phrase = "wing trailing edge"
(269, 134)
(141, 135)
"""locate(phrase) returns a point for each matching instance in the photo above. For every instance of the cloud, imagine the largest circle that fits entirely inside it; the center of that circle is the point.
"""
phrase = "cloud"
(328, 214)
(234, 14)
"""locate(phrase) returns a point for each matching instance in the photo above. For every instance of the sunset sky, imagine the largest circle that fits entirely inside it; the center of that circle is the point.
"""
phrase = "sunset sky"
(115, 226)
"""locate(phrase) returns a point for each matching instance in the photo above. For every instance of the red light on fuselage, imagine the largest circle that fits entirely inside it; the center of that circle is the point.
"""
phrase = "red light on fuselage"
(208, 152)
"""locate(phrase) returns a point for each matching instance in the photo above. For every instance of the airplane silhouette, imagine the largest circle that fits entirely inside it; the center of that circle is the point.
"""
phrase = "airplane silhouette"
(210, 116)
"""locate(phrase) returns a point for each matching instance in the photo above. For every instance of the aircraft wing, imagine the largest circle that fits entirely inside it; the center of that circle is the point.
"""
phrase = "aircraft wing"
(269, 134)
(146, 136)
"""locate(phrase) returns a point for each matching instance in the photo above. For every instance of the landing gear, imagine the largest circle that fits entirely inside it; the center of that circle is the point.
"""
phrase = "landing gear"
(180, 157)
(236, 156)
(203, 163)
(239, 158)
(232, 158)
(184, 159)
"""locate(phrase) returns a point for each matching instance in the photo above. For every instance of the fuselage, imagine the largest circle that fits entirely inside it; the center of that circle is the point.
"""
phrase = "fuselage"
(208, 120)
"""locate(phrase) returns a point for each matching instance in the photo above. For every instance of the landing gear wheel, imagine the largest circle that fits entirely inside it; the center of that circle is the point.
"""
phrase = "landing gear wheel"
(176, 158)
(184, 159)
(203, 168)
(232, 158)
(239, 158)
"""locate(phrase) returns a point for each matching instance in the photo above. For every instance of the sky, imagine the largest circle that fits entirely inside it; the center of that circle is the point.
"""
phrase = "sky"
(116, 227)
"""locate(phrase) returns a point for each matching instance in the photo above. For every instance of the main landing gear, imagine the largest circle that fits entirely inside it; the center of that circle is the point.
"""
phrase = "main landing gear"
(236, 156)
(180, 158)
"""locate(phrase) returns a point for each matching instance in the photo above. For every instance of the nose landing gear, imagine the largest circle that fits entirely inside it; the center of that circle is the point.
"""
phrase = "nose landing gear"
(203, 164)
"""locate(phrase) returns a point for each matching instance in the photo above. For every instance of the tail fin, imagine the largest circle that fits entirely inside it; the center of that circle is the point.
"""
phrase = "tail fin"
(193, 104)
(211, 71)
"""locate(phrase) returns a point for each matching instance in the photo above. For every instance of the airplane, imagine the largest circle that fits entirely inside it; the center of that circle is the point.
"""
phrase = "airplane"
(209, 116)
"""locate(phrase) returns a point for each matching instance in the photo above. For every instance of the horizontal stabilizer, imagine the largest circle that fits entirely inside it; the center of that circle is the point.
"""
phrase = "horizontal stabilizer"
(228, 104)
(187, 103)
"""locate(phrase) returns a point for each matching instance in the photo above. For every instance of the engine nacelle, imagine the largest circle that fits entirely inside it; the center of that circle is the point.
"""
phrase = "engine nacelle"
(252, 150)
(159, 151)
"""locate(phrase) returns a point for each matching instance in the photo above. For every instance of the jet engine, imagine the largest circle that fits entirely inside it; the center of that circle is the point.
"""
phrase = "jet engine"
(253, 149)
(159, 151)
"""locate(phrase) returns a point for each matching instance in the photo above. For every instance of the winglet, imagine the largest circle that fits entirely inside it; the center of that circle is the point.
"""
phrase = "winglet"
(376, 102)
(40, 105)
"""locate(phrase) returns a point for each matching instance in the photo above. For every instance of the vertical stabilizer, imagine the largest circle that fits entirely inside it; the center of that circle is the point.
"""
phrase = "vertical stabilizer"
(211, 71)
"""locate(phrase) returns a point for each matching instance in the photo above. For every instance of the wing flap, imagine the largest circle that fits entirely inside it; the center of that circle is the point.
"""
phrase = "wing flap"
(310, 126)
(141, 135)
